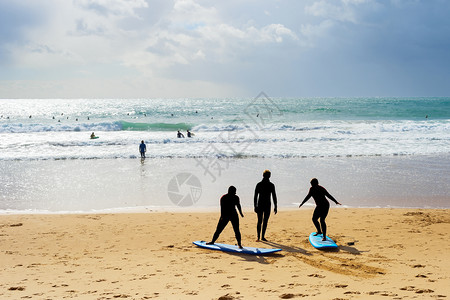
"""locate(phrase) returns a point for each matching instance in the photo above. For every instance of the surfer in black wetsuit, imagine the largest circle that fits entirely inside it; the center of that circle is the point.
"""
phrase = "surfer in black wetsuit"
(319, 194)
(142, 149)
(262, 203)
(228, 204)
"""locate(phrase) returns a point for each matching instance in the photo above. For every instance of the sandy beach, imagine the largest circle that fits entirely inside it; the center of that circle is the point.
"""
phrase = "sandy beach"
(383, 254)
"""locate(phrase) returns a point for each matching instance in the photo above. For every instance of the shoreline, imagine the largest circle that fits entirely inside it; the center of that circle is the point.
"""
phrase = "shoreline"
(177, 210)
(383, 252)
(105, 185)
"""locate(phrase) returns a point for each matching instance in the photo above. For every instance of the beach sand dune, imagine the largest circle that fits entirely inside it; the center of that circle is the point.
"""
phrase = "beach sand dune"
(383, 253)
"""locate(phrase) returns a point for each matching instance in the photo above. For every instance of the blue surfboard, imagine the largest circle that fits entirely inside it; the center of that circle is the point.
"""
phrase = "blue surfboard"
(236, 249)
(316, 241)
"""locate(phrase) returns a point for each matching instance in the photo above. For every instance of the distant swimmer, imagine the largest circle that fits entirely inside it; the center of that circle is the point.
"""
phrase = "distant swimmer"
(142, 149)
(180, 135)
(93, 136)
(319, 194)
(228, 204)
(189, 134)
(263, 191)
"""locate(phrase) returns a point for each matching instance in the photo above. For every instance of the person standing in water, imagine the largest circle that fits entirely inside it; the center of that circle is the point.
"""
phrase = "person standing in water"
(142, 149)
(228, 204)
(319, 194)
(262, 203)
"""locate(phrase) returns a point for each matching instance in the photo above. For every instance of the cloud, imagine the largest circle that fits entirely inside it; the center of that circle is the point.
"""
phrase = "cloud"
(311, 47)
(112, 7)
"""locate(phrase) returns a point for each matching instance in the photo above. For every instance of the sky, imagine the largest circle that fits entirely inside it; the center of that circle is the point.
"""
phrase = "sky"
(200, 48)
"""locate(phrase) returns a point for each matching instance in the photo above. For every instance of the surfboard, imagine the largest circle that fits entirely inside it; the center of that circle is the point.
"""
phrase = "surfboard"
(317, 242)
(236, 249)
(95, 137)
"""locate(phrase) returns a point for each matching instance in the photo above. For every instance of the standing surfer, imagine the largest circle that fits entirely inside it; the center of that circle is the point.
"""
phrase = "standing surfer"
(262, 203)
(319, 194)
(228, 204)
(142, 149)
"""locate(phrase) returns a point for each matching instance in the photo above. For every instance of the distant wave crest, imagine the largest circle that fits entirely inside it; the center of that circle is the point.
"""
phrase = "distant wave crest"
(102, 126)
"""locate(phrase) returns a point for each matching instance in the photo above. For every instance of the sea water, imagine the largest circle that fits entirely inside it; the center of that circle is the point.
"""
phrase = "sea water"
(365, 151)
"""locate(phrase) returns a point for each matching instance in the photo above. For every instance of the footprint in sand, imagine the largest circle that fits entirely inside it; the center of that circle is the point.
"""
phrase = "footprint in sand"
(316, 275)
(17, 288)
(227, 297)
(287, 296)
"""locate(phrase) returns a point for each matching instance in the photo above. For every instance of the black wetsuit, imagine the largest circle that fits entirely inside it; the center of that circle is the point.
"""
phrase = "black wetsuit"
(228, 204)
(262, 203)
(322, 207)
(142, 149)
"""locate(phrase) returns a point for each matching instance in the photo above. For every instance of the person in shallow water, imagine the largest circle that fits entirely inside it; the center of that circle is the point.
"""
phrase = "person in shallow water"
(319, 194)
(142, 149)
(262, 203)
(228, 204)
(180, 135)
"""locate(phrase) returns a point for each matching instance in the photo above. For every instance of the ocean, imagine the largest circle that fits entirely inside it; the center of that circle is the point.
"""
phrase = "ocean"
(387, 152)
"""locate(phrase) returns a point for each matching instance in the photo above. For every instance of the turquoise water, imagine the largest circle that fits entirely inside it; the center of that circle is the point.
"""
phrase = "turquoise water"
(258, 127)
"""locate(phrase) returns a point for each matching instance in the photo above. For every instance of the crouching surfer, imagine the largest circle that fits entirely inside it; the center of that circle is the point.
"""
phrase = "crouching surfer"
(228, 204)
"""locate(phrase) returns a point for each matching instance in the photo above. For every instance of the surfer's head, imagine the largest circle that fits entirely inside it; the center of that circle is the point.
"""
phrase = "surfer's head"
(232, 190)
(314, 182)
(266, 174)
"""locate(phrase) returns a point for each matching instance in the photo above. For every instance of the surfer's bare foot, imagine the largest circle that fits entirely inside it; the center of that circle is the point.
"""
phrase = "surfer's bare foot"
(240, 247)
(324, 239)
(318, 233)
(258, 240)
(209, 243)
(264, 239)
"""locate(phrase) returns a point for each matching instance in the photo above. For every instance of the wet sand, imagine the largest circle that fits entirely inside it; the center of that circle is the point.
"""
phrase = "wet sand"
(383, 253)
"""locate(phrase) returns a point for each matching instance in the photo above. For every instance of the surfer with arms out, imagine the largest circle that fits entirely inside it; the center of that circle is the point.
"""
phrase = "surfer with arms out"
(319, 194)
(263, 191)
(228, 204)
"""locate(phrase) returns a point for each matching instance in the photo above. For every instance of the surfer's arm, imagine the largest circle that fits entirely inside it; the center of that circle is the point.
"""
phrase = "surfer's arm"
(306, 199)
(255, 198)
(238, 205)
(274, 197)
(331, 197)
(222, 208)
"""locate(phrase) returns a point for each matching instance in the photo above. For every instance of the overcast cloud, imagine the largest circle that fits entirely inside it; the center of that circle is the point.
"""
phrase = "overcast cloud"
(196, 48)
